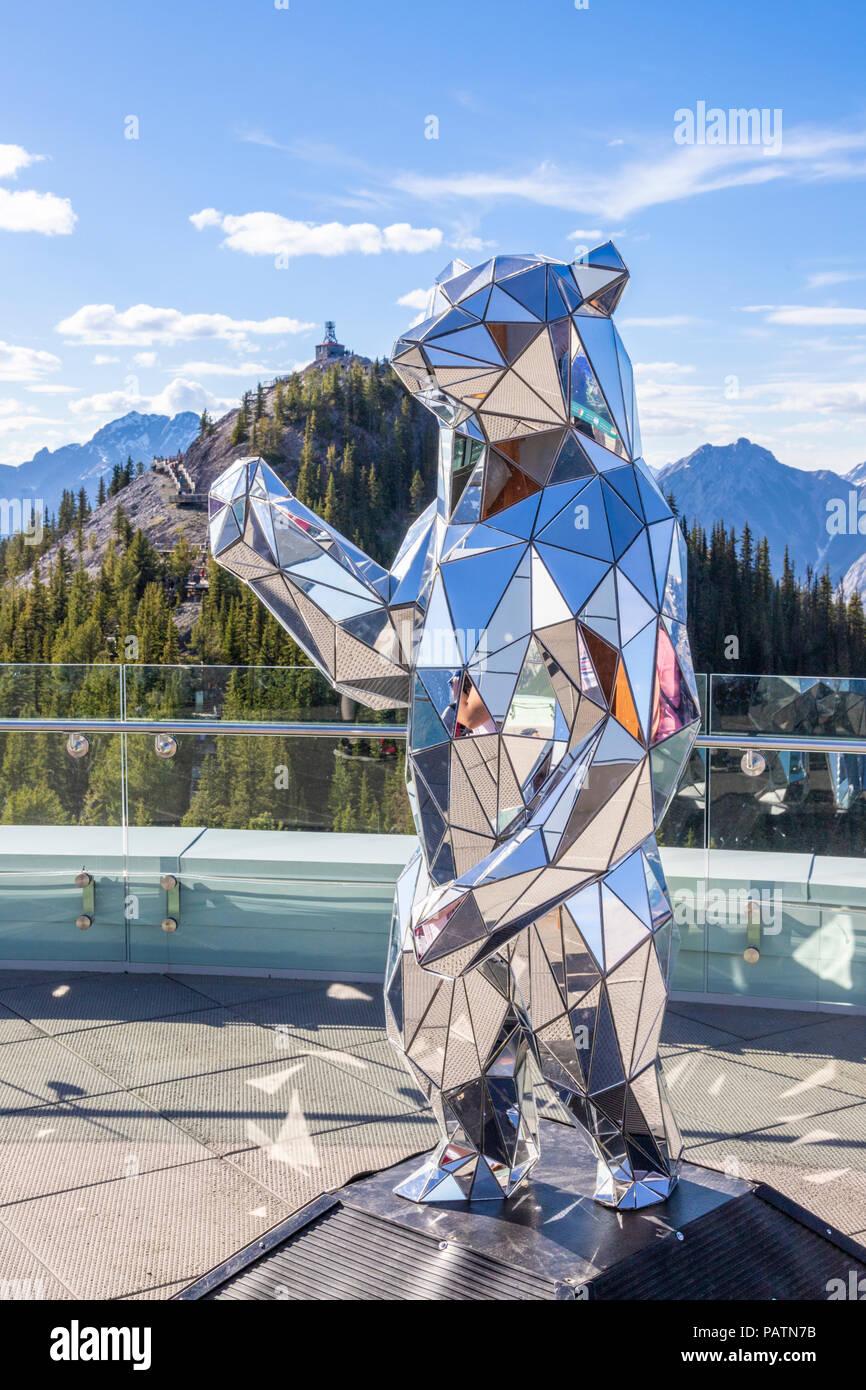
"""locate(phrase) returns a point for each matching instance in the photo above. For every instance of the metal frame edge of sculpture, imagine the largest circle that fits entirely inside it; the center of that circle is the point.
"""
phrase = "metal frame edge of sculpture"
(534, 624)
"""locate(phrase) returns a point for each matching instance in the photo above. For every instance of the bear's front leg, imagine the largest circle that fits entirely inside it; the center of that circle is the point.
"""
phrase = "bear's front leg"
(468, 1045)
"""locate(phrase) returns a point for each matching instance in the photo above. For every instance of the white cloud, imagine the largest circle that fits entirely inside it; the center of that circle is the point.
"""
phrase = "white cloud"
(180, 394)
(104, 359)
(470, 241)
(17, 417)
(36, 212)
(270, 234)
(25, 210)
(809, 422)
(664, 369)
(144, 359)
(802, 394)
(415, 299)
(51, 390)
(25, 364)
(13, 158)
(662, 321)
(581, 235)
(823, 278)
(143, 324)
(208, 217)
(806, 155)
(808, 316)
(251, 370)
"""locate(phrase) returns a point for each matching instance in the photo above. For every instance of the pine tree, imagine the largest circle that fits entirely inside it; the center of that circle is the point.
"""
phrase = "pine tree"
(308, 472)
(241, 427)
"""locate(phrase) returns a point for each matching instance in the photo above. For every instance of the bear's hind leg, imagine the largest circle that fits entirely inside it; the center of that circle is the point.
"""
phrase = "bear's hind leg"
(596, 989)
(468, 1045)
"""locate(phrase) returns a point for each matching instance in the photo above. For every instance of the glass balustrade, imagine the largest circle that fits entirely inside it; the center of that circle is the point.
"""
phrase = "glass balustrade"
(197, 847)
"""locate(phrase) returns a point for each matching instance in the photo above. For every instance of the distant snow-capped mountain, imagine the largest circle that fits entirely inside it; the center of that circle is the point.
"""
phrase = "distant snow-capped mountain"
(73, 466)
(742, 483)
(857, 474)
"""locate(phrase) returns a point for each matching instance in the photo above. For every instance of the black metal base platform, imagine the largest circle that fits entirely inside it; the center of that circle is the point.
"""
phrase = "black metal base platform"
(716, 1238)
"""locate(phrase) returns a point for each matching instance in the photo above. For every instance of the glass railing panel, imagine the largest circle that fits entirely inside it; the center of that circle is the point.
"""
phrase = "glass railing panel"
(284, 694)
(787, 836)
(268, 782)
(784, 966)
(703, 684)
(684, 825)
(215, 818)
(61, 819)
(792, 803)
(41, 689)
(834, 707)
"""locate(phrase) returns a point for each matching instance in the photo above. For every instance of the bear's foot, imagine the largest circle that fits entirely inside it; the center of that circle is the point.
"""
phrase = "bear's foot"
(456, 1173)
(626, 1192)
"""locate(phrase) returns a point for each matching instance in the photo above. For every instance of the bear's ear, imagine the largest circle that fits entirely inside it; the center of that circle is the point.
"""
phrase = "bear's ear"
(601, 276)
(455, 267)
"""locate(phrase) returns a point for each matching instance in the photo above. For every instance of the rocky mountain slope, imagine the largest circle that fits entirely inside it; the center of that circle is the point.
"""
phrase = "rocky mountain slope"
(150, 501)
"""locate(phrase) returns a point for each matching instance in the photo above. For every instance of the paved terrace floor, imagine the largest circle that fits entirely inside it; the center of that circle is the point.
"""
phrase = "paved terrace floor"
(151, 1125)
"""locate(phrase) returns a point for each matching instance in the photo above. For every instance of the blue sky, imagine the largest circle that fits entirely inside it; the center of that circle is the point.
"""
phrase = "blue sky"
(282, 175)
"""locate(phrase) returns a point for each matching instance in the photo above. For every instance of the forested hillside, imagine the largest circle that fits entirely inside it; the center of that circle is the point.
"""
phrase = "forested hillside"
(777, 625)
(129, 584)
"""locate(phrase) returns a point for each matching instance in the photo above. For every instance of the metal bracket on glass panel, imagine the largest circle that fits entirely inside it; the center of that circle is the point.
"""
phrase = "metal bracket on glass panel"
(85, 882)
(171, 885)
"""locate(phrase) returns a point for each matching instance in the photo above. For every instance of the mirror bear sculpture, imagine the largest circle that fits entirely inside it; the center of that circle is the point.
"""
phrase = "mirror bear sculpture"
(533, 623)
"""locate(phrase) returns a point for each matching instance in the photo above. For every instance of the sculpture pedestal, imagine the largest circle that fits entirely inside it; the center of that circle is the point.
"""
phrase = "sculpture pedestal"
(551, 1227)
(715, 1239)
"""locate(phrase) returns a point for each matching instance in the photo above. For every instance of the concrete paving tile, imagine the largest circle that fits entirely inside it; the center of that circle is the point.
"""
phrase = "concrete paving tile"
(820, 1143)
(157, 1293)
(109, 1127)
(114, 1239)
(98, 1000)
(164, 1049)
(288, 1102)
(39, 1069)
(240, 989)
(804, 1069)
(340, 1016)
(13, 1027)
(831, 1040)
(682, 1032)
(742, 1020)
(14, 979)
(838, 1198)
(820, 1163)
(714, 1095)
(22, 1277)
(56, 1148)
(383, 1067)
(298, 1174)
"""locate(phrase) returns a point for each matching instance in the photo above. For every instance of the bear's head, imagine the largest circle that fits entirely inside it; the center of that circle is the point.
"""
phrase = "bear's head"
(520, 361)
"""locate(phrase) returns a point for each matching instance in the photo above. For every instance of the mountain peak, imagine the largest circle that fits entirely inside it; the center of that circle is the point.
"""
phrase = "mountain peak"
(743, 483)
(74, 466)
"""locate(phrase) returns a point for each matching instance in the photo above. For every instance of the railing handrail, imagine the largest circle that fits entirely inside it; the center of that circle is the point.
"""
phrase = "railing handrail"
(773, 743)
(289, 729)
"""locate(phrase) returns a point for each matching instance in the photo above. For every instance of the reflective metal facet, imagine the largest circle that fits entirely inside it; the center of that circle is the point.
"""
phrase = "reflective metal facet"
(534, 624)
